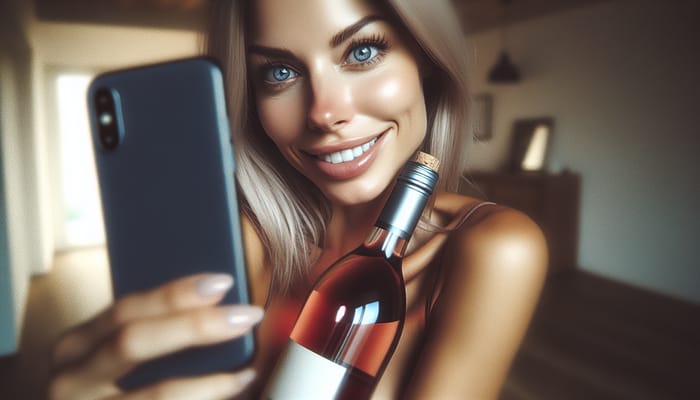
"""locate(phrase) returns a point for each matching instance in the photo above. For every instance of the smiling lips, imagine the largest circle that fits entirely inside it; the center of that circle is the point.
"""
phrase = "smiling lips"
(347, 154)
(348, 163)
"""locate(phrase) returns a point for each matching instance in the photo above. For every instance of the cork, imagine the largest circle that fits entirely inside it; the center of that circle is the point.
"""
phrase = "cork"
(427, 160)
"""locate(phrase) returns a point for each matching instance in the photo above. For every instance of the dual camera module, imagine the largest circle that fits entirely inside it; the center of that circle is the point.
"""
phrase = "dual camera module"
(108, 118)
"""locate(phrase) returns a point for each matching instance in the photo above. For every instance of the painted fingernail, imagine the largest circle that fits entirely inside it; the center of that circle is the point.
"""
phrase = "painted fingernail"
(214, 284)
(242, 315)
(246, 376)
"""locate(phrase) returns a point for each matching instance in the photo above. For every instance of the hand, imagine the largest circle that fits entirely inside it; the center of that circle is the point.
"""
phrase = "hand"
(90, 358)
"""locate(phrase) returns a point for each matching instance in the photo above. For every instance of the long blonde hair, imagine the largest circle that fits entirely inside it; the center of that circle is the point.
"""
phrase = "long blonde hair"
(289, 212)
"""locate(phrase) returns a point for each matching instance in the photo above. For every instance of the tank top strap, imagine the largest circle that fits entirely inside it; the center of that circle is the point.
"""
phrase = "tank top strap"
(464, 218)
(439, 276)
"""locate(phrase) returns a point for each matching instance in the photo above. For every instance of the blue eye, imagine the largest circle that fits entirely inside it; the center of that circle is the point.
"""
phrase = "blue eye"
(363, 53)
(280, 73)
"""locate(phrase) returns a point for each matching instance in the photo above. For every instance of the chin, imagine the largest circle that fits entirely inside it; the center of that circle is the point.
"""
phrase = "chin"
(360, 192)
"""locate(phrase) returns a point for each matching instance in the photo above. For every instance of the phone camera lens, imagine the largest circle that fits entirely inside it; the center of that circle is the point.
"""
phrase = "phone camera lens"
(106, 118)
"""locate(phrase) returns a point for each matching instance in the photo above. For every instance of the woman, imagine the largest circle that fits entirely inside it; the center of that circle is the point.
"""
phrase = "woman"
(309, 80)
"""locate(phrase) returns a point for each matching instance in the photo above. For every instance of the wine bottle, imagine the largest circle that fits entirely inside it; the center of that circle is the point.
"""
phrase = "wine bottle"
(352, 319)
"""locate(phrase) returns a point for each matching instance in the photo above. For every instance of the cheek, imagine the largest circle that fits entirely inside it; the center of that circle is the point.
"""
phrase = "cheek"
(394, 94)
(280, 116)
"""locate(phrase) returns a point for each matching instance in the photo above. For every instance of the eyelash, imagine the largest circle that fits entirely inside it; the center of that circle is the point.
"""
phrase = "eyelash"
(376, 40)
(267, 66)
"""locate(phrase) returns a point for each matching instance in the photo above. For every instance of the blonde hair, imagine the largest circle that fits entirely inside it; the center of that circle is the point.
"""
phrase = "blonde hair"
(289, 212)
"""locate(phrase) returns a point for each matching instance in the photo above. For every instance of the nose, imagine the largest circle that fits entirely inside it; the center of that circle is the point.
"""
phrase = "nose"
(330, 102)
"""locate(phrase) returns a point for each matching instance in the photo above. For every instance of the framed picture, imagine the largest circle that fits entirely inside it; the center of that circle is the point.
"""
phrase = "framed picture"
(531, 139)
(482, 115)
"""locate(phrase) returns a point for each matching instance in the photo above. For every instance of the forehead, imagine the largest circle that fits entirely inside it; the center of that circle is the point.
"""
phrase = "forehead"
(275, 20)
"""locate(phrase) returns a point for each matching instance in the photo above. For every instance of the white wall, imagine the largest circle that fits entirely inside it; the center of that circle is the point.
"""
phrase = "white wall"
(99, 47)
(30, 52)
(622, 81)
(69, 47)
(18, 193)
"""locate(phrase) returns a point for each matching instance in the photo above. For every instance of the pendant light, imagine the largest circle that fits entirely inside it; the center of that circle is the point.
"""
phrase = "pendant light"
(504, 71)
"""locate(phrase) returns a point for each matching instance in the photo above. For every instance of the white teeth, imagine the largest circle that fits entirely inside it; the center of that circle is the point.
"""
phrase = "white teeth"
(347, 154)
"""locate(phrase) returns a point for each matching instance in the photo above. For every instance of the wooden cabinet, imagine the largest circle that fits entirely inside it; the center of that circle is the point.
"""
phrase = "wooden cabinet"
(550, 200)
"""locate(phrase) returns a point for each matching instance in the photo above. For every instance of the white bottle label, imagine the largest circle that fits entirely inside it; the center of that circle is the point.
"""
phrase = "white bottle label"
(303, 374)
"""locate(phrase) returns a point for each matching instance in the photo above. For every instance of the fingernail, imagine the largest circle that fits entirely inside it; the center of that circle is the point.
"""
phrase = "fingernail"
(214, 284)
(246, 376)
(243, 315)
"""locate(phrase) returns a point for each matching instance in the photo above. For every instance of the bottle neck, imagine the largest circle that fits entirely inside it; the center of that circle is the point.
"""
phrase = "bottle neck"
(388, 242)
(403, 209)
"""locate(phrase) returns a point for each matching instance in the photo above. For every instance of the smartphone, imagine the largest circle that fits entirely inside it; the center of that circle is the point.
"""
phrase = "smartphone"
(165, 167)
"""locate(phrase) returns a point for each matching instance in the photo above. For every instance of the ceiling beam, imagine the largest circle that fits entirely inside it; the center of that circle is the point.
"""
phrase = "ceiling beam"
(476, 15)
(481, 15)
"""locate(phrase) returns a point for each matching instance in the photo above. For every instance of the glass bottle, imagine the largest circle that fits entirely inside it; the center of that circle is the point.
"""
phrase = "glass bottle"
(352, 319)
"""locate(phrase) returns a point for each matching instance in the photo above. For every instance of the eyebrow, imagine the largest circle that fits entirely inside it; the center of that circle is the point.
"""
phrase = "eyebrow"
(346, 33)
(272, 52)
(335, 41)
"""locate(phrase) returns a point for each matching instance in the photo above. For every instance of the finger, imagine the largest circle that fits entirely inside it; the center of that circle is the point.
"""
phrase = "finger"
(68, 386)
(181, 294)
(219, 386)
(146, 339)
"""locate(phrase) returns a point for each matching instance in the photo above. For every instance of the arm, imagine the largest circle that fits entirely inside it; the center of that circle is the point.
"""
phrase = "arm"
(494, 273)
(88, 359)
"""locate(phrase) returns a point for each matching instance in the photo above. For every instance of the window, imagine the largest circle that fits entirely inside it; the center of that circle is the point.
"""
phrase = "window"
(82, 214)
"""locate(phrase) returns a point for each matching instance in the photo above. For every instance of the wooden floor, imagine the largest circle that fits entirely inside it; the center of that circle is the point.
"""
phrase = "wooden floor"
(77, 288)
(590, 338)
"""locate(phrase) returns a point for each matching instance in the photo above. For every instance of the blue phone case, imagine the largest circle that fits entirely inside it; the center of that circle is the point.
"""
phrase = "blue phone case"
(169, 194)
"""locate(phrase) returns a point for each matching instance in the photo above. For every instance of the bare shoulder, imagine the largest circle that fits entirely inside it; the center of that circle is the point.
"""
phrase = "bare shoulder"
(257, 260)
(493, 234)
(494, 264)
(255, 249)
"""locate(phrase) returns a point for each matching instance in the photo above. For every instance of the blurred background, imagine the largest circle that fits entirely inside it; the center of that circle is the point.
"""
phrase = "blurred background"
(601, 94)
